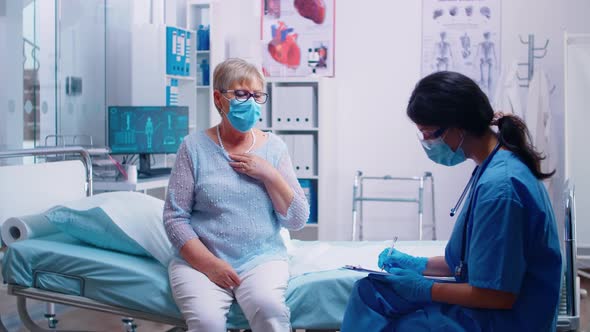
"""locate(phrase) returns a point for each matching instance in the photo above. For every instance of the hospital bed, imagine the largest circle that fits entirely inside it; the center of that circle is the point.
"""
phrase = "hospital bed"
(59, 269)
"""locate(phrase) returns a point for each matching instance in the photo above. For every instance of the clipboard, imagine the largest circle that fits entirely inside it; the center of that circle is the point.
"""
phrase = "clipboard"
(361, 269)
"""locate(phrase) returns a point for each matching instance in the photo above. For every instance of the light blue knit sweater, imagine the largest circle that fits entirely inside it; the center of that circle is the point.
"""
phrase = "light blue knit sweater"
(231, 213)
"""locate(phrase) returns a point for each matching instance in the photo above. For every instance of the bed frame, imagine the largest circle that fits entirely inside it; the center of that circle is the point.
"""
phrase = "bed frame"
(569, 308)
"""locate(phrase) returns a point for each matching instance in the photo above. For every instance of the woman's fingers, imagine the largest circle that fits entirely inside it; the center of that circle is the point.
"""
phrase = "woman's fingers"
(239, 166)
(239, 157)
(234, 278)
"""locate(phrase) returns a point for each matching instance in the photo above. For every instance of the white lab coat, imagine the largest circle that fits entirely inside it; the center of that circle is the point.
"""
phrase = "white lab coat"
(507, 95)
(538, 119)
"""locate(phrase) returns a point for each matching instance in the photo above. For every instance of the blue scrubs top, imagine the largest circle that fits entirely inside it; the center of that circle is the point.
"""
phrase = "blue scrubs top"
(512, 246)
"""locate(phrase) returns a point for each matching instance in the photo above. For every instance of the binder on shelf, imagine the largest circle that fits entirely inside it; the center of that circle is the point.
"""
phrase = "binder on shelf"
(187, 54)
(181, 56)
(295, 106)
(171, 92)
(304, 154)
(178, 49)
(263, 120)
(288, 139)
(310, 194)
(280, 111)
(170, 49)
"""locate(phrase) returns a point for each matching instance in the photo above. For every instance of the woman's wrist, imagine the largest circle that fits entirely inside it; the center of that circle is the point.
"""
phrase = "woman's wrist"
(271, 177)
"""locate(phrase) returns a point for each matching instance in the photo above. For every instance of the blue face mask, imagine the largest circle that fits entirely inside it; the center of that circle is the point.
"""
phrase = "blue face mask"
(243, 116)
(439, 152)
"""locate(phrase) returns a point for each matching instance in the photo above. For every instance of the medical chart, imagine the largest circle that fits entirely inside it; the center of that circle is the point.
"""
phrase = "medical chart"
(462, 36)
(298, 37)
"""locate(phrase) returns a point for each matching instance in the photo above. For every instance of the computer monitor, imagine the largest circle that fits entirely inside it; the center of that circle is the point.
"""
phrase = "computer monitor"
(146, 130)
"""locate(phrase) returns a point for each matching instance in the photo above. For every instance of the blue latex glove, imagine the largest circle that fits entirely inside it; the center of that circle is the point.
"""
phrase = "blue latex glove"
(398, 259)
(409, 285)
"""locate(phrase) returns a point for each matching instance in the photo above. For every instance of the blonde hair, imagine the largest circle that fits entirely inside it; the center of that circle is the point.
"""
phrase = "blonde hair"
(235, 70)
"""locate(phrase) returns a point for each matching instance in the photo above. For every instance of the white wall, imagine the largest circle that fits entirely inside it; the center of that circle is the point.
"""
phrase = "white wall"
(378, 51)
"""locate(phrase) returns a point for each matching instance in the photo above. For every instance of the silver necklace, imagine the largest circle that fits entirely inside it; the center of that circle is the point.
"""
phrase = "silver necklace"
(223, 147)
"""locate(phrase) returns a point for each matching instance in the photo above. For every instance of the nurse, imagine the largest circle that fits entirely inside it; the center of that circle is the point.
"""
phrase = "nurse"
(503, 252)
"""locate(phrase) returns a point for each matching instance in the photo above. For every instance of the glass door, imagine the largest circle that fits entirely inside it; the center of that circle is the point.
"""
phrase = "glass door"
(81, 73)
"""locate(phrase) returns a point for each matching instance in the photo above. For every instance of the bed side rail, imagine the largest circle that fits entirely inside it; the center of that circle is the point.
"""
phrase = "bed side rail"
(73, 150)
(569, 307)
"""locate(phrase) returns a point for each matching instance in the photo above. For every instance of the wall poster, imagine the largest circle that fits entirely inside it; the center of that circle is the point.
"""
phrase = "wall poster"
(298, 37)
(462, 36)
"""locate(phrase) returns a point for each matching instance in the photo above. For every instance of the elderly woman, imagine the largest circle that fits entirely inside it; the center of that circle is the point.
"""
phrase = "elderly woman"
(231, 190)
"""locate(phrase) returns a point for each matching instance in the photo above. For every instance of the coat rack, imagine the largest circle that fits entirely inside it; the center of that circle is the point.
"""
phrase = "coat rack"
(533, 54)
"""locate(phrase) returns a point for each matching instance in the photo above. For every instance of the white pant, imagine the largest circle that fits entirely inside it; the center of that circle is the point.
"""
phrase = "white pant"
(204, 305)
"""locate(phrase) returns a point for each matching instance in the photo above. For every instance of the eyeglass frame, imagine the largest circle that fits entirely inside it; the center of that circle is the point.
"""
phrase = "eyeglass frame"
(432, 134)
(250, 95)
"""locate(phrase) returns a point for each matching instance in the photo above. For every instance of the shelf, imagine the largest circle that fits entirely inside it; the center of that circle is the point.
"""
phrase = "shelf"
(203, 86)
(203, 52)
(302, 79)
(306, 130)
(313, 177)
(311, 225)
(181, 78)
(200, 3)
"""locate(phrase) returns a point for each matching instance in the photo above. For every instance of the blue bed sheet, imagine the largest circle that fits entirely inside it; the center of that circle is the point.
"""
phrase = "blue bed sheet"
(63, 264)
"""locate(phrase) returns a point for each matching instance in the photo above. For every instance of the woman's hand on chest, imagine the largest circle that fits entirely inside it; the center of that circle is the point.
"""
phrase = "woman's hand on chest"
(253, 166)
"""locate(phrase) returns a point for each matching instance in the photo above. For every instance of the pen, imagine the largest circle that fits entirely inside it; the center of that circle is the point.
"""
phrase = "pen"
(392, 245)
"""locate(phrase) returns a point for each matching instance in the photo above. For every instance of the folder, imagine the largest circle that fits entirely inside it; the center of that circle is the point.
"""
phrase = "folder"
(175, 51)
(288, 139)
(172, 92)
(305, 154)
(180, 49)
(170, 49)
(303, 109)
(280, 108)
(310, 195)
(187, 54)
(295, 106)
(262, 120)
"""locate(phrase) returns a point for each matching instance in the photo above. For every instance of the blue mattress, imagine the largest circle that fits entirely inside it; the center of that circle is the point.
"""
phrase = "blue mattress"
(62, 264)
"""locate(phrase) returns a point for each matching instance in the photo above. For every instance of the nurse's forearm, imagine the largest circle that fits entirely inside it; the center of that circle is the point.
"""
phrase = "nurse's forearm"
(473, 297)
(437, 266)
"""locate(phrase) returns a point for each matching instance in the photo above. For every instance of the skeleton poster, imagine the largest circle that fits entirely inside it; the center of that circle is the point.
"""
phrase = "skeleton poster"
(298, 37)
(462, 36)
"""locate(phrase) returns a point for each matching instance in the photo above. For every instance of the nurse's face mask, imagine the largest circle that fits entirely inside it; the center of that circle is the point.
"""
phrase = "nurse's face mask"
(439, 151)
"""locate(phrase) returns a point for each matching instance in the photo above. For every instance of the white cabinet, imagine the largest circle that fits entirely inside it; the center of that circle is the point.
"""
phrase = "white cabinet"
(298, 111)
(199, 14)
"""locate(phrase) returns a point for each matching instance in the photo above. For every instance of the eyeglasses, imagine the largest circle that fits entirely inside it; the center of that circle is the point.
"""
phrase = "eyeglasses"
(430, 134)
(243, 95)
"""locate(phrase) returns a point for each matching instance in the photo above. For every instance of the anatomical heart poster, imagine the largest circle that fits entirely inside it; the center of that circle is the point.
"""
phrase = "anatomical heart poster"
(298, 37)
(462, 36)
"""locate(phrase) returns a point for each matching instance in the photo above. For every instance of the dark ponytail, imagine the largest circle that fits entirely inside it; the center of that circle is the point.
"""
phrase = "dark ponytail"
(514, 135)
(452, 100)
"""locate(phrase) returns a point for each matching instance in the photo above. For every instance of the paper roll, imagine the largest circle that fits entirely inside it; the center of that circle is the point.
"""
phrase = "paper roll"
(26, 227)
(132, 173)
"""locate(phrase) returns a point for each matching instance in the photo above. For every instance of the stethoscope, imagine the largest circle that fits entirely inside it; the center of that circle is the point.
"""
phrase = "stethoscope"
(461, 269)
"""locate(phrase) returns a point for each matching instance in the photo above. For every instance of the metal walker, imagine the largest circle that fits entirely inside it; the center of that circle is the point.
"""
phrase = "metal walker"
(358, 198)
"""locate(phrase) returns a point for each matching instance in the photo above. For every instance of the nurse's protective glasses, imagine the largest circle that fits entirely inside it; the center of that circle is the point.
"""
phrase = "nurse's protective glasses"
(243, 95)
(428, 135)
